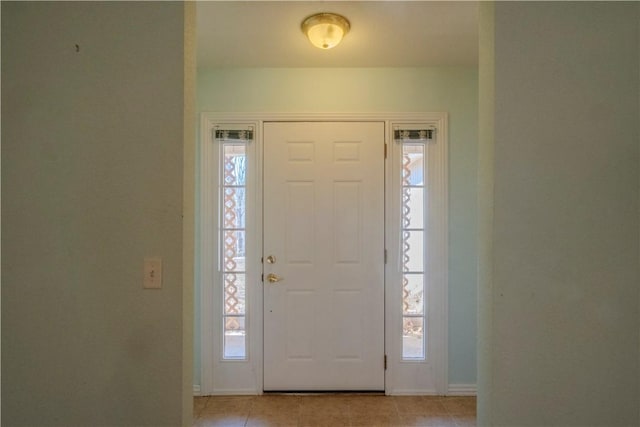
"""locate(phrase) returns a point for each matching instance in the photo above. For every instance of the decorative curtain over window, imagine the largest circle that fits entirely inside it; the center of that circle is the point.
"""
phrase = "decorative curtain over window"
(232, 226)
(244, 135)
(425, 135)
(413, 238)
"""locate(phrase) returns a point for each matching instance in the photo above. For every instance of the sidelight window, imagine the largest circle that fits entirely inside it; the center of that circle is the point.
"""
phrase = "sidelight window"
(413, 238)
(233, 240)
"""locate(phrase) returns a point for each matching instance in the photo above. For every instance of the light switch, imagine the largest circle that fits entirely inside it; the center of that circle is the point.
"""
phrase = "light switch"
(152, 273)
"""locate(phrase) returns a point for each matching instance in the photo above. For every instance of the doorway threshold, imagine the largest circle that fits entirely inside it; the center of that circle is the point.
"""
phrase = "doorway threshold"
(324, 392)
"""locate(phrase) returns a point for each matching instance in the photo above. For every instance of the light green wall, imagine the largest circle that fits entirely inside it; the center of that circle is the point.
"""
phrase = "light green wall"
(92, 168)
(562, 332)
(453, 90)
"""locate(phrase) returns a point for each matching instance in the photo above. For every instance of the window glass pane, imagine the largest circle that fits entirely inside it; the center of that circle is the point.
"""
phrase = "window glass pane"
(234, 207)
(413, 193)
(412, 164)
(413, 251)
(412, 338)
(234, 293)
(235, 165)
(233, 247)
(234, 250)
(234, 338)
(413, 207)
(413, 294)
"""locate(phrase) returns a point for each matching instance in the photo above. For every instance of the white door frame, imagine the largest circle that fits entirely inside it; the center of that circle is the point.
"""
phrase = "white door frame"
(245, 377)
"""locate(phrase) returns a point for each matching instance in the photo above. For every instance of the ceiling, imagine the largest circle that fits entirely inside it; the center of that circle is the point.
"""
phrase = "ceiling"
(383, 34)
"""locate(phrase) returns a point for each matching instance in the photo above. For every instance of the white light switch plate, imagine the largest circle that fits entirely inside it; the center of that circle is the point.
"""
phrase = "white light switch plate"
(152, 273)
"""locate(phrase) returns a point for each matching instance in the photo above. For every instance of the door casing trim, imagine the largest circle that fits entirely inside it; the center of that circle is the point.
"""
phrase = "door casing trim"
(394, 383)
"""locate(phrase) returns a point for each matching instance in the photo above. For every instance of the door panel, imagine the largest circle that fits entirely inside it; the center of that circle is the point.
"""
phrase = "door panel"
(324, 228)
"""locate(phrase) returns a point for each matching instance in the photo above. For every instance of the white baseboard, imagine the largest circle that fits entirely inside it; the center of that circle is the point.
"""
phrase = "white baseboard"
(462, 390)
(411, 392)
(197, 391)
(235, 392)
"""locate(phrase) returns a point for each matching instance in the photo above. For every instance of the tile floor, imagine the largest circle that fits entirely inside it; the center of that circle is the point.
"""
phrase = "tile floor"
(334, 410)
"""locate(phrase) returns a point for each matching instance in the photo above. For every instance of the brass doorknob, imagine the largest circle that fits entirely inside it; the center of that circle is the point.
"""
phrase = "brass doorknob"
(272, 278)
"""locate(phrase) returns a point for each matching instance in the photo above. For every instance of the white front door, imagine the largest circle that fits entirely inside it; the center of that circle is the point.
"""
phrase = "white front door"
(324, 249)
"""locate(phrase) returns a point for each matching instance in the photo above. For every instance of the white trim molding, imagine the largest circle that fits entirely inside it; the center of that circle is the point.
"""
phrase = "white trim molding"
(462, 390)
(415, 392)
(235, 392)
(196, 390)
(238, 376)
(429, 375)
(416, 377)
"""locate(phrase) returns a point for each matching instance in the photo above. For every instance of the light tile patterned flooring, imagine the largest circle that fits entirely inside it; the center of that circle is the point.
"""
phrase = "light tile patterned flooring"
(334, 410)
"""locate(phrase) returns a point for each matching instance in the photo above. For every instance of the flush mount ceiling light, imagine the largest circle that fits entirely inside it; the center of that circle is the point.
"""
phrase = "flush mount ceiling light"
(325, 30)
